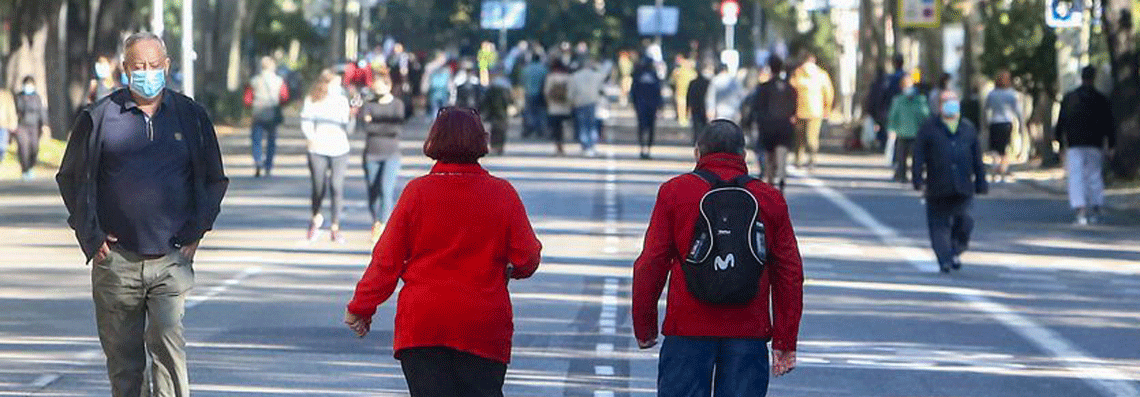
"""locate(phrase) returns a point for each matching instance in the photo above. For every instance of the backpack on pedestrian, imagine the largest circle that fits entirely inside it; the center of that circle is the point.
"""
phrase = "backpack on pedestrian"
(729, 248)
(560, 91)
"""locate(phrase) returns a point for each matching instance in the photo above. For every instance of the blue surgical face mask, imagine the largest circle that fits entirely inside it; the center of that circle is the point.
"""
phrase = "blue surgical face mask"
(951, 108)
(102, 71)
(909, 91)
(148, 83)
(29, 89)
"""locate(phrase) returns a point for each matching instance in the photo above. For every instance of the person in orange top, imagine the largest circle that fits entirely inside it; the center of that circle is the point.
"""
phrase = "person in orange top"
(455, 237)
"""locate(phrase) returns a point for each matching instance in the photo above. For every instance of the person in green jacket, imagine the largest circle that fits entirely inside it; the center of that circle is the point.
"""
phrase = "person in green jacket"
(909, 111)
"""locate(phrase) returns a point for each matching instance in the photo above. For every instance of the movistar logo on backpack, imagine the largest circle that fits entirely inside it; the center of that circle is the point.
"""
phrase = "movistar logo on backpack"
(729, 248)
(726, 262)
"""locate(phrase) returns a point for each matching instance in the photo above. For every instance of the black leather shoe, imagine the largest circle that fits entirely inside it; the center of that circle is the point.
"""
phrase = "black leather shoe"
(944, 268)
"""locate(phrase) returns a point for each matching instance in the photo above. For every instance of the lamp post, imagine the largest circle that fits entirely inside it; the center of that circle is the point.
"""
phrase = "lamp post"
(188, 54)
(729, 13)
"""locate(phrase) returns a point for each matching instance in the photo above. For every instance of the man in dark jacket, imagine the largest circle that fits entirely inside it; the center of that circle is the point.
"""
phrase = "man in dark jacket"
(704, 340)
(695, 99)
(774, 109)
(142, 180)
(946, 148)
(646, 95)
(1083, 127)
(33, 122)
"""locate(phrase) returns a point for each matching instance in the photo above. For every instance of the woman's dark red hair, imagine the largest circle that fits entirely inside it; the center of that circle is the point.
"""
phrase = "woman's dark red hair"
(457, 136)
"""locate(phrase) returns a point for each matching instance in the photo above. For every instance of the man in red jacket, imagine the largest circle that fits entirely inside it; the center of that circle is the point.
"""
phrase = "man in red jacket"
(703, 340)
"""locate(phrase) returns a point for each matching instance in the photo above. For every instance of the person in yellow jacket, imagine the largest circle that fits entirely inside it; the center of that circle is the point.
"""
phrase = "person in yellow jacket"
(684, 73)
(814, 98)
(8, 120)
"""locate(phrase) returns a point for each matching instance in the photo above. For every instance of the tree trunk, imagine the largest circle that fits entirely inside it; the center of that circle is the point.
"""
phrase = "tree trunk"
(872, 43)
(233, 73)
(337, 33)
(1126, 85)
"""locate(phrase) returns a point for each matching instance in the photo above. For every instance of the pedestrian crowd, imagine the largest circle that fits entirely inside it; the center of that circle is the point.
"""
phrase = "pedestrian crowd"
(142, 180)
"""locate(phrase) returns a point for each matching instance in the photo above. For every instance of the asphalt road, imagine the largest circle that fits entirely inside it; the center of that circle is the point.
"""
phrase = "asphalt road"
(1042, 308)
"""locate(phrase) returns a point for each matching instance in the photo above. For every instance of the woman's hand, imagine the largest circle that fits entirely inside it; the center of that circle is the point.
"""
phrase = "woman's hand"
(359, 325)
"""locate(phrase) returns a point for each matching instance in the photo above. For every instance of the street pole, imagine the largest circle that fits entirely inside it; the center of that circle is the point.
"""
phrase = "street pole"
(188, 53)
(157, 25)
(660, 4)
(502, 25)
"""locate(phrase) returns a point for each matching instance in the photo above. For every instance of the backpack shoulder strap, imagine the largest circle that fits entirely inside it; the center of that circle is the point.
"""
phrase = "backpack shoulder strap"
(708, 176)
(743, 180)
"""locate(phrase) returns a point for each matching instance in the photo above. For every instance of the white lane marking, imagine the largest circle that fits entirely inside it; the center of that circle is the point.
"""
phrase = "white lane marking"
(1052, 278)
(222, 288)
(1105, 379)
(43, 381)
(607, 318)
(85, 356)
(1125, 281)
(88, 355)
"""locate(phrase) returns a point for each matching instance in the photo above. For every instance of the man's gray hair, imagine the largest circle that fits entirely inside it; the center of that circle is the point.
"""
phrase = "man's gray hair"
(721, 136)
(137, 37)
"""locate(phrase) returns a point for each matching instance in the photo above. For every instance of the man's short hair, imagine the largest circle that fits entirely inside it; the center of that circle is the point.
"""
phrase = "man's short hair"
(1088, 73)
(721, 136)
(137, 37)
(775, 64)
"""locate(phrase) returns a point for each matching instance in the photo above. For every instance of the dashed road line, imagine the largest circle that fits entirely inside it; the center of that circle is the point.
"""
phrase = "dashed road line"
(607, 317)
(86, 356)
(1107, 380)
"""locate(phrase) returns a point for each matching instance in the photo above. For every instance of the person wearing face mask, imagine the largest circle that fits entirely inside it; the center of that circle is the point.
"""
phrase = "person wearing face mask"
(104, 82)
(324, 122)
(908, 112)
(143, 181)
(33, 124)
(381, 118)
(8, 120)
(948, 168)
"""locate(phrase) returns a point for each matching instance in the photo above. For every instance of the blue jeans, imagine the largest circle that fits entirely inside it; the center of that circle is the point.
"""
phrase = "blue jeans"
(263, 158)
(688, 366)
(586, 123)
(534, 117)
(381, 177)
(437, 101)
(3, 143)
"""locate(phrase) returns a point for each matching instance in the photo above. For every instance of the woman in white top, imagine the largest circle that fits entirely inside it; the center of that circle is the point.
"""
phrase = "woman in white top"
(1002, 110)
(324, 121)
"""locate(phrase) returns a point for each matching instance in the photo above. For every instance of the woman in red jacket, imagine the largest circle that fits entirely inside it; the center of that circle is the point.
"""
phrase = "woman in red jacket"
(454, 238)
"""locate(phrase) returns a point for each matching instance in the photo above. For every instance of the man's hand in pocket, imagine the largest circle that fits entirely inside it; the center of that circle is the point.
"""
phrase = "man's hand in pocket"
(105, 250)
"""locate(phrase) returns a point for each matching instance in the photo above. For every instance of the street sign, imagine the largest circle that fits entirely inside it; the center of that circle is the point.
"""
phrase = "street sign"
(729, 12)
(920, 13)
(496, 13)
(650, 23)
(1064, 13)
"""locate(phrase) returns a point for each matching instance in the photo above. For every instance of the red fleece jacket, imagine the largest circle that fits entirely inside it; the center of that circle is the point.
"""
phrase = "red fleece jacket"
(666, 242)
(449, 239)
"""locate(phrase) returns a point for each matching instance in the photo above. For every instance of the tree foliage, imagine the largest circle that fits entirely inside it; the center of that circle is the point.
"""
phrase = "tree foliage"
(1017, 39)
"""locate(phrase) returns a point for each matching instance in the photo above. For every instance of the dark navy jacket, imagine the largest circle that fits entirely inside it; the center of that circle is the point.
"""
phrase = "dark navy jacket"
(79, 170)
(952, 162)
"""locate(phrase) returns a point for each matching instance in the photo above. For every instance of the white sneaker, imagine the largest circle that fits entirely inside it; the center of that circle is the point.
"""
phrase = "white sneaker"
(1082, 221)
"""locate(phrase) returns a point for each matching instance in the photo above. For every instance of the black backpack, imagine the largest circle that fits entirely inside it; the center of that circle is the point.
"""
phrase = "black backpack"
(729, 249)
